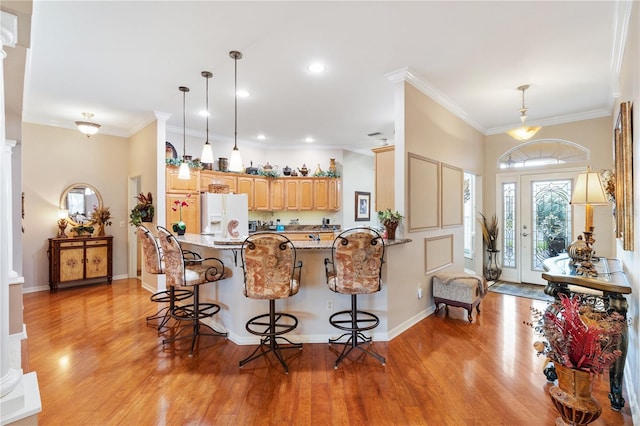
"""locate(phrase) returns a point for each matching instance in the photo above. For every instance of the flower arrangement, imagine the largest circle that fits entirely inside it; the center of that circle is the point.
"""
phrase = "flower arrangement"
(490, 232)
(177, 206)
(576, 336)
(143, 211)
(389, 216)
(101, 216)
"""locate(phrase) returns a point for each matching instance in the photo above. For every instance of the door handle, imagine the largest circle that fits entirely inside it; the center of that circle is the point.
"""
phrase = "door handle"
(524, 234)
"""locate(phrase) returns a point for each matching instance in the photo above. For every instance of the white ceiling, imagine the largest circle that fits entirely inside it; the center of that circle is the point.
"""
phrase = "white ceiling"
(124, 60)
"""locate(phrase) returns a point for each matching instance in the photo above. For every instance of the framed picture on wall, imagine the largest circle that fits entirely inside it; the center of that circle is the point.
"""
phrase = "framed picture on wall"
(363, 206)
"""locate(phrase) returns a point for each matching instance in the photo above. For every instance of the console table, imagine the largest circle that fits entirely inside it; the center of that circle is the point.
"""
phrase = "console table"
(80, 260)
(605, 291)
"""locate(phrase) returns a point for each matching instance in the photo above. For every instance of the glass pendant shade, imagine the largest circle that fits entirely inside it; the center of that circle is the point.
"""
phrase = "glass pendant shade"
(207, 153)
(183, 172)
(235, 162)
(524, 133)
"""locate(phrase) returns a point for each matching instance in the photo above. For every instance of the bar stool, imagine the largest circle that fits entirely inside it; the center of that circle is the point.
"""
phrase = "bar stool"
(270, 272)
(187, 269)
(355, 268)
(152, 257)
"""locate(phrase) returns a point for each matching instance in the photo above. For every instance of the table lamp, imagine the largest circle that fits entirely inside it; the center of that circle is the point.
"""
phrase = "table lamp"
(588, 191)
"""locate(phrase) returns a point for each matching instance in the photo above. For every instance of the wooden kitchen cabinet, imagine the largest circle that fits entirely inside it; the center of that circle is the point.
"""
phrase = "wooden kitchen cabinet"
(384, 164)
(245, 186)
(305, 194)
(261, 199)
(208, 177)
(81, 260)
(277, 188)
(173, 184)
(292, 194)
(335, 195)
(190, 213)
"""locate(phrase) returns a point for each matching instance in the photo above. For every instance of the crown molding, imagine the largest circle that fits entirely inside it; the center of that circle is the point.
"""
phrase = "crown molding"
(412, 77)
(9, 29)
(620, 30)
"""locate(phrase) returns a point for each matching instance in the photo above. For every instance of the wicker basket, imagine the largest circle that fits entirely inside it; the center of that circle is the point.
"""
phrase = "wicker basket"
(217, 188)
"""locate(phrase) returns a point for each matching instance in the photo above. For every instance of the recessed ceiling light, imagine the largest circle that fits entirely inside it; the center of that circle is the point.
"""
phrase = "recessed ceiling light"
(243, 93)
(204, 113)
(309, 139)
(316, 67)
(261, 137)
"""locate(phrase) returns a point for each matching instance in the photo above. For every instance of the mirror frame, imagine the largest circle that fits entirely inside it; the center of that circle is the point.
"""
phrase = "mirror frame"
(63, 200)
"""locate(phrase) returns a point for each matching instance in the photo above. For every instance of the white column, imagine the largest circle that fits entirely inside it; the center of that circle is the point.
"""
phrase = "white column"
(9, 377)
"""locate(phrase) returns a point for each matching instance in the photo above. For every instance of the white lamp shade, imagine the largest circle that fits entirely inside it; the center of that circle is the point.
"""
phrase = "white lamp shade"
(235, 162)
(589, 190)
(63, 214)
(207, 154)
(183, 172)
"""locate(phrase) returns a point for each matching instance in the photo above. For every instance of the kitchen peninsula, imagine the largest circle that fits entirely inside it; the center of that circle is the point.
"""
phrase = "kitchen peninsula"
(313, 304)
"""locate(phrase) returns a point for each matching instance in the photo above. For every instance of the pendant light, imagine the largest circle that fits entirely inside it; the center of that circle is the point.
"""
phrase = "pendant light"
(523, 133)
(235, 162)
(207, 152)
(87, 126)
(183, 172)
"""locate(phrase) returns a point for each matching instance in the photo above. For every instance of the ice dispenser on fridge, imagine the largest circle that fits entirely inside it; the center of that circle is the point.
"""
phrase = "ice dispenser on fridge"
(225, 216)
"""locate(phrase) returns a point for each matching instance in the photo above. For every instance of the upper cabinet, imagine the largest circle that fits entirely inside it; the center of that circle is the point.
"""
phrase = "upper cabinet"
(263, 193)
(384, 163)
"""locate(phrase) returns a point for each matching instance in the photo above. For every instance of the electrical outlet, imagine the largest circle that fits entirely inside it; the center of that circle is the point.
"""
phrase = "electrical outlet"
(329, 305)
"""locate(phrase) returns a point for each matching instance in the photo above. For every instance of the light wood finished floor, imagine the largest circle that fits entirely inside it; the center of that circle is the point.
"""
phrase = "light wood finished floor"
(98, 363)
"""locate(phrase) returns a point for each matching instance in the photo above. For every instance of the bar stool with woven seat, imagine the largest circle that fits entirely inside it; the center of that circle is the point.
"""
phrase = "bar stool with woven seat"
(271, 272)
(355, 268)
(152, 257)
(187, 269)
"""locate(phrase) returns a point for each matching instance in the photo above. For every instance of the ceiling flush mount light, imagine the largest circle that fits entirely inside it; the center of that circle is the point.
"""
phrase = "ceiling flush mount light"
(523, 133)
(308, 139)
(207, 152)
(183, 172)
(87, 126)
(235, 162)
(261, 137)
(316, 68)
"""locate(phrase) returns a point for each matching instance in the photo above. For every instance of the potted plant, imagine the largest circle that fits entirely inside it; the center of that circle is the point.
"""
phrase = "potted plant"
(390, 219)
(143, 211)
(581, 342)
(101, 217)
(492, 270)
(82, 230)
(180, 227)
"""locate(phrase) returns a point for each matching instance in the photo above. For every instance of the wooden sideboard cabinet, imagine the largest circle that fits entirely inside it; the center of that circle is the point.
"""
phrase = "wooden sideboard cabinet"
(82, 260)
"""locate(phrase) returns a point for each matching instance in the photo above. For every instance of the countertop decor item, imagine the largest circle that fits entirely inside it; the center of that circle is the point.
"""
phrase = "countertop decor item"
(101, 217)
(304, 170)
(180, 227)
(390, 220)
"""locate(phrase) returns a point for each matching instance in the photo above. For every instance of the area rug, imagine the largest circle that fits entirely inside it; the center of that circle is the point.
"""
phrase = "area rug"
(530, 291)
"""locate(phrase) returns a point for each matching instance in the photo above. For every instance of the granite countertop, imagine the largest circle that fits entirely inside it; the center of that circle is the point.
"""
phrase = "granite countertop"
(235, 244)
(302, 228)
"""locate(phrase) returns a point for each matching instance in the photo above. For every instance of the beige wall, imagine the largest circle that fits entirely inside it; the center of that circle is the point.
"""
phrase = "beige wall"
(52, 159)
(595, 135)
(630, 91)
(429, 130)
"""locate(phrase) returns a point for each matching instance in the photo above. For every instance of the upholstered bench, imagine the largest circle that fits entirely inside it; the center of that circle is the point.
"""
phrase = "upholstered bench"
(459, 289)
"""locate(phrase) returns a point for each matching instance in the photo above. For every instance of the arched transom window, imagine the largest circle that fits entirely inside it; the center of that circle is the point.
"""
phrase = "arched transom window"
(543, 151)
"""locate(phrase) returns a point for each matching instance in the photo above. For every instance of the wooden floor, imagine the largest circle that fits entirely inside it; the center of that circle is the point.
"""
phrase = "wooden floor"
(98, 363)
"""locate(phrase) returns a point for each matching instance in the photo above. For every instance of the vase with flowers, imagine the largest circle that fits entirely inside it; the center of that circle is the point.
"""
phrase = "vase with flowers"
(390, 220)
(101, 217)
(180, 227)
(581, 342)
(492, 269)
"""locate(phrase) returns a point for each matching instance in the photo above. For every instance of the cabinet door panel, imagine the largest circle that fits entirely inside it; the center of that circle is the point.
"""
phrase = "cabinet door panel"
(174, 184)
(96, 262)
(321, 194)
(71, 264)
(276, 194)
(245, 186)
(261, 194)
(190, 214)
(306, 194)
(292, 194)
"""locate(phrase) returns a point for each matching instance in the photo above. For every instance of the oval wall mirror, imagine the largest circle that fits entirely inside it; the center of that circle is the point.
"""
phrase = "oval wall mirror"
(79, 201)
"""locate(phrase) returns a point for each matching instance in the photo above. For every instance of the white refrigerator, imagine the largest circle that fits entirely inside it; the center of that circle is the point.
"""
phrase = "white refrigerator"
(225, 216)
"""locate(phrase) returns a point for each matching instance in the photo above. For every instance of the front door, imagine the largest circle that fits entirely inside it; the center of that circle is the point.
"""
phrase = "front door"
(536, 222)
